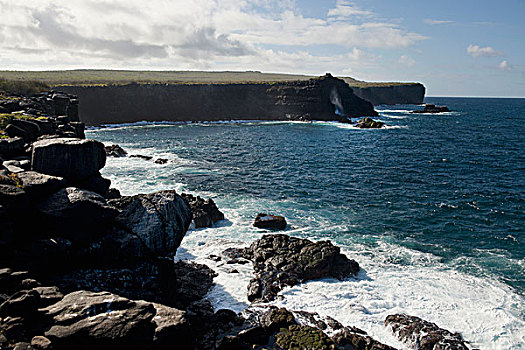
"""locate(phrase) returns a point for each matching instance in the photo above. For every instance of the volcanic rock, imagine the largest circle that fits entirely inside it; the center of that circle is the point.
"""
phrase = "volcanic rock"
(424, 335)
(11, 146)
(205, 212)
(431, 108)
(280, 260)
(159, 219)
(369, 123)
(78, 214)
(269, 221)
(115, 151)
(37, 184)
(73, 159)
(25, 129)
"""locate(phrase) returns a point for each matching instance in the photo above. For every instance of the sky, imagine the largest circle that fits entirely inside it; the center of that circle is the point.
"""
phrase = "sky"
(455, 48)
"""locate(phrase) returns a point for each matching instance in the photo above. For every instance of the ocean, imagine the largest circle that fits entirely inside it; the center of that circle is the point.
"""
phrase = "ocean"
(432, 207)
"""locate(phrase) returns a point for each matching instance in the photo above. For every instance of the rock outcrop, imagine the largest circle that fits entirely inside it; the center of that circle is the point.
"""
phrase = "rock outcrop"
(324, 98)
(369, 123)
(424, 335)
(269, 221)
(280, 260)
(72, 159)
(160, 220)
(432, 109)
(205, 212)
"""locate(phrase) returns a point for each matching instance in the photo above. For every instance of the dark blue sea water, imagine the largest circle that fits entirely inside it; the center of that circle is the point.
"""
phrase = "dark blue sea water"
(428, 197)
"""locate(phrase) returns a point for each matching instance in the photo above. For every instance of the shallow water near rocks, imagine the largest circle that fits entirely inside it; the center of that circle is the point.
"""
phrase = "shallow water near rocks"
(433, 208)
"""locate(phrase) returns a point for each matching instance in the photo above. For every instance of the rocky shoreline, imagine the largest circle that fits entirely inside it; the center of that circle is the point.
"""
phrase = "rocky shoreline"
(84, 267)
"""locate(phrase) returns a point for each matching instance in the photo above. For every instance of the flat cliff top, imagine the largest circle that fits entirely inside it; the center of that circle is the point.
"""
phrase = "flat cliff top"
(118, 77)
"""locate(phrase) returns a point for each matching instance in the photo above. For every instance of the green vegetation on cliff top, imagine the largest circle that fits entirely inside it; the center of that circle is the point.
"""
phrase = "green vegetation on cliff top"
(108, 77)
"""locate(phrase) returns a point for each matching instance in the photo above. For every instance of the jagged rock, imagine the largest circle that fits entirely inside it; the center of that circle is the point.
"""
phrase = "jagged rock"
(25, 129)
(78, 214)
(358, 340)
(159, 219)
(369, 123)
(115, 151)
(205, 212)
(269, 221)
(11, 146)
(280, 260)
(73, 159)
(88, 320)
(424, 335)
(37, 184)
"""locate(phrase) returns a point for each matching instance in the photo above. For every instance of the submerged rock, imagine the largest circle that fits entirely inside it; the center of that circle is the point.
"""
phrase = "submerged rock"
(269, 221)
(205, 211)
(280, 260)
(424, 335)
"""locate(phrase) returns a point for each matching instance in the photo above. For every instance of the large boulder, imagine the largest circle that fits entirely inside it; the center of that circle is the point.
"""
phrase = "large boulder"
(424, 335)
(25, 129)
(269, 221)
(205, 211)
(115, 151)
(78, 214)
(88, 320)
(72, 159)
(159, 219)
(280, 260)
(11, 146)
(37, 184)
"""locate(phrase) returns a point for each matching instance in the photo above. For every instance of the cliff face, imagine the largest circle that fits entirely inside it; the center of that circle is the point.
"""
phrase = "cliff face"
(324, 98)
(394, 94)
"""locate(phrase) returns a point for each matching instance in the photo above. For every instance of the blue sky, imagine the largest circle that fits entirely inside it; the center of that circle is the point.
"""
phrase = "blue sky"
(456, 48)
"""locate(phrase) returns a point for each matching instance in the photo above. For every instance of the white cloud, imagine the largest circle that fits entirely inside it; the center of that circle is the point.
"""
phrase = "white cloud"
(177, 34)
(407, 61)
(487, 51)
(505, 65)
(344, 8)
(436, 21)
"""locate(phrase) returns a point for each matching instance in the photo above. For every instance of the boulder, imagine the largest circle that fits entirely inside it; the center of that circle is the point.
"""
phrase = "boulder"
(268, 221)
(422, 334)
(48, 295)
(171, 325)
(25, 129)
(72, 159)
(159, 219)
(369, 123)
(11, 146)
(37, 184)
(115, 151)
(88, 320)
(205, 212)
(80, 215)
(41, 343)
(161, 161)
(79, 129)
(280, 260)
(47, 127)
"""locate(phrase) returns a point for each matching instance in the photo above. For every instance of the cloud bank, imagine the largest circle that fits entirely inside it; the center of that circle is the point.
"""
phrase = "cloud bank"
(488, 51)
(271, 35)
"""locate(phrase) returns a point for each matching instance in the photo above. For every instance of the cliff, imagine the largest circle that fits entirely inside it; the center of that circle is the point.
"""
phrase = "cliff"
(324, 98)
(390, 93)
